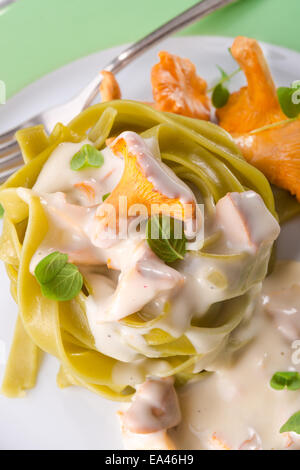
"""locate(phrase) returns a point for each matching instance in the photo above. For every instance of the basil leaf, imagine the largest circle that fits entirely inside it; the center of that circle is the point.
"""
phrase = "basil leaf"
(105, 196)
(293, 424)
(160, 234)
(1, 211)
(50, 266)
(289, 380)
(285, 97)
(88, 156)
(65, 285)
(220, 96)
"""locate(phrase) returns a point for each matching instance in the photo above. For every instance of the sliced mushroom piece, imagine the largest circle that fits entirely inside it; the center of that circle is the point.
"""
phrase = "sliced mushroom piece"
(246, 222)
(143, 279)
(155, 408)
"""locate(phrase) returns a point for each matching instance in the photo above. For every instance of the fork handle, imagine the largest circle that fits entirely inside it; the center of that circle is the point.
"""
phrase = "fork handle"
(186, 18)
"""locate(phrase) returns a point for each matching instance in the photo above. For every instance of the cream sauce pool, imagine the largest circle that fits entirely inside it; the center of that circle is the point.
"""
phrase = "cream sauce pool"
(235, 407)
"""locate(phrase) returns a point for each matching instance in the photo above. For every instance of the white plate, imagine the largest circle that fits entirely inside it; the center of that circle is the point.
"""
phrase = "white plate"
(49, 418)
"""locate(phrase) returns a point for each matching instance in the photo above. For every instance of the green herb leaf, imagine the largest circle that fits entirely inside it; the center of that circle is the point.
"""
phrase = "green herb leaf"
(225, 77)
(289, 380)
(162, 233)
(105, 196)
(88, 156)
(1, 211)
(65, 285)
(293, 424)
(224, 74)
(59, 280)
(50, 266)
(220, 96)
(94, 157)
(289, 100)
(78, 161)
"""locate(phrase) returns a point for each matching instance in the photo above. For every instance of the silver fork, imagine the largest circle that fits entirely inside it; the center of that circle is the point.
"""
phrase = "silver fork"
(10, 155)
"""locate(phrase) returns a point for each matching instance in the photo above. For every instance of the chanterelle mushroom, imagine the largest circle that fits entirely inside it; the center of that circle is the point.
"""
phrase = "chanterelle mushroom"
(178, 89)
(276, 151)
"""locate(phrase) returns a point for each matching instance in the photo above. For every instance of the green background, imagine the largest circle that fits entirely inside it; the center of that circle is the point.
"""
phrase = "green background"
(38, 36)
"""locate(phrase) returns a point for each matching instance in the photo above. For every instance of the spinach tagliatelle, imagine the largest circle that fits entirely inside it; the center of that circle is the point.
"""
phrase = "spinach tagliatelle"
(207, 160)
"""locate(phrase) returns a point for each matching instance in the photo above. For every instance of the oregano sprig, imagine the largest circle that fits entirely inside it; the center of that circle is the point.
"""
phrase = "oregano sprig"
(220, 94)
(288, 380)
(292, 424)
(88, 156)
(291, 381)
(59, 280)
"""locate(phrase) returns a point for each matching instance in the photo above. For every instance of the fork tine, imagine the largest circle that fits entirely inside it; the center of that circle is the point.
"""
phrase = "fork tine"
(8, 138)
(4, 175)
(9, 152)
(8, 167)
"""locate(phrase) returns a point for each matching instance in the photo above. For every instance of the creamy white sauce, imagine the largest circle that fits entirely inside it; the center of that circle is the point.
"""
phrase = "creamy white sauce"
(65, 234)
(282, 300)
(235, 407)
(57, 175)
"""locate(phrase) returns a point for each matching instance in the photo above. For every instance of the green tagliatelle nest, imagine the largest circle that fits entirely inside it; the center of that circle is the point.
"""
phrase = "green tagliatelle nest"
(200, 153)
